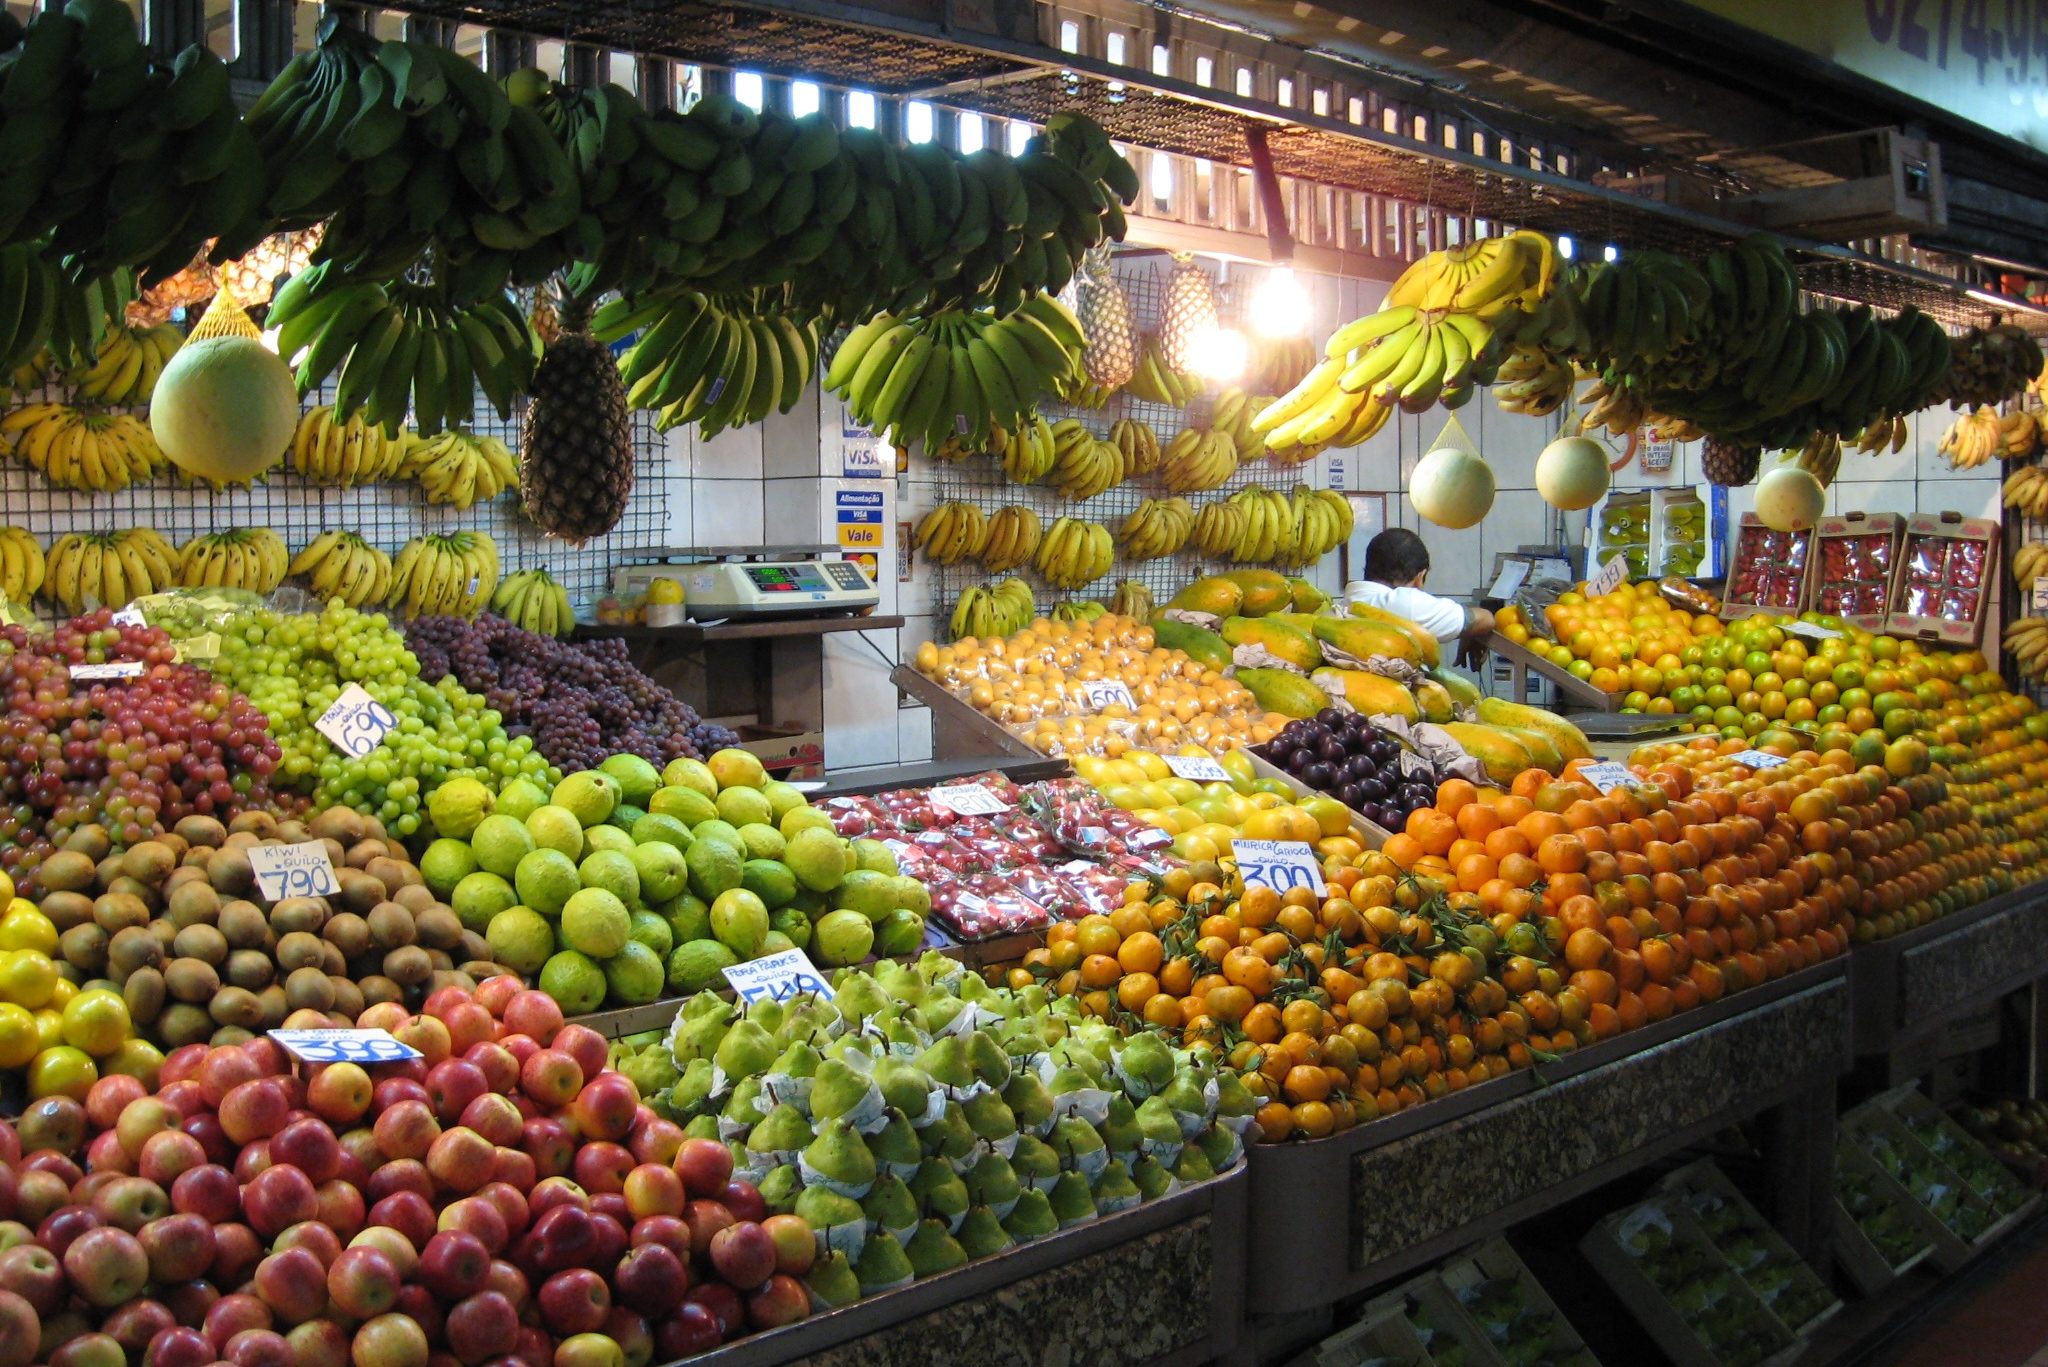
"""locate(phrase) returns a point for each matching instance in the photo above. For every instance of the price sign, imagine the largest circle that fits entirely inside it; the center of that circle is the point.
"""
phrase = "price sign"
(1103, 693)
(300, 870)
(1610, 577)
(1199, 768)
(356, 723)
(776, 978)
(1607, 776)
(1511, 577)
(1281, 865)
(344, 1046)
(968, 799)
(2041, 594)
(130, 616)
(1759, 759)
(1813, 631)
(118, 669)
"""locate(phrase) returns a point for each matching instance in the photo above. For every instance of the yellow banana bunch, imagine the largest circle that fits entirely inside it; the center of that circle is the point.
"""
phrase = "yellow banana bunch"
(2019, 435)
(1011, 540)
(1662, 428)
(1084, 466)
(1078, 391)
(535, 601)
(1232, 413)
(21, 564)
(77, 448)
(458, 467)
(1074, 552)
(1318, 413)
(1885, 433)
(252, 558)
(1139, 444)
(1282, 361)
(125, 370)
(1421, 357)
(1973, 439)
(1028, 454)
(1532, 382)
(2029, 563)
(1322, 522)
(1157, 382)
(2026, 639)
(1821, 457)
(1487, 277)
(342, 565)
(1269, 530)
(951, 532)
(453, 575)
(100, 569)
(1156, 528)
(2026, 489)
(993, 610)
(957, 448)
(341, 455)
(1131, 599)
(1197, 460)
(1218, 527)
(1619, 411)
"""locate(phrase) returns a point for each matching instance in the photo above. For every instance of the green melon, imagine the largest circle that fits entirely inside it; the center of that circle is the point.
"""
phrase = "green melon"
(224, 409)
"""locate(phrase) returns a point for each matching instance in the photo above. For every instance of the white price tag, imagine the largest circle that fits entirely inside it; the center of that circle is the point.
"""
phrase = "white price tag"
(1813, 631)
(300, 870)
(1199, 768)
(973, 904)
(1103, 693)
(968, 799)
(1511, 577)
(1609, 579)
(1281, 865)
(1607, 776)
(2041, 594)
(118, 669)
(356, 723)
(776, 978)
(1758, 759)
(344, 1046)
(130, 616)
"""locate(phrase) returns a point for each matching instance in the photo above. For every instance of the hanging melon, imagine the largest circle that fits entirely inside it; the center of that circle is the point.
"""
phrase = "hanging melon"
(1790, 499)
(1451, 487)
(224, 410)
(1571, 473)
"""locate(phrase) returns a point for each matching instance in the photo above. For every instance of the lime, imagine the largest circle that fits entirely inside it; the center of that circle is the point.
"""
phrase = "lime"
(589, 796)
(689, 773)
(685, 804)
(499, 842)
(447, 862)
(817, 858)
(635, 974)
(843, 937)
(770, 880)
(458, 805)
(637, 779)
(613, 872)
(546, 880)
(782, 798)
(661, 870)
(697, 964)
(871, 894)
(739, 920)
(745, 806)
(762, 840)
(651, 930)
(574, 981)
(688, 918)
(802, 818)
(661, 828)
(521, 939)
(607, 837)
(479, 897)
(900, 932)
(874, 855)
(554, 828)
(715, 867)
(792, 925)
(519, 799)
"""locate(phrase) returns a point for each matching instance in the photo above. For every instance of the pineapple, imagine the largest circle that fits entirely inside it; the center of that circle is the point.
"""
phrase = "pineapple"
(1728, 464)
(1190, 311)
(576, 452)
(1111, 357)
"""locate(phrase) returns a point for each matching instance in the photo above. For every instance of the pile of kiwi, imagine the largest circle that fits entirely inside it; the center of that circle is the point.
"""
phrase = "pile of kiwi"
(181, 927)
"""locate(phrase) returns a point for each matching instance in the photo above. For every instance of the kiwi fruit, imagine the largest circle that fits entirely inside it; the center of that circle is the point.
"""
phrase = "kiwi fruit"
(375, 988)
(338, 823)
(408, 965)
(256, 822)
(438, 928)
(300, 949)
(348, 933)
(292, 831)
(348, 998)
(67, 871)
(271, 1002)
(107, 870)
(229, 871)
(252, 969)
(144, 993)
(192, 980)
(309, 989)
(132, 949)
(226, 1036)
(332, 960)
(359, 891)
(151, 861)
(235, 1006)
(393, 873)
(415, 898)
(85, 946)
(298, 914)
(244, 926)
(182, 1023)
(192, 903)
(200, 830)
(166, 934)
(201, 942)
(391, 925)
(66, 909)
(473, 946)
(90, 840)
(359, 855)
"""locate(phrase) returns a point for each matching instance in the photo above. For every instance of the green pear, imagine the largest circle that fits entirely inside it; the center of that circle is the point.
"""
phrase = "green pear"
(882, 1266)
(799, 1058)
(1032, 1219)
(1193, 1166)
(858, 997)
(1028, 1100)
(1187, 1095)
(987, 1059)
(709, 1004)
(1114, 1190)
(889, 1203)
(857, 1051)
(1072, 1202)
(838, 1091)
(1030, 1001)
(838, 1158)
(1157, 1124)
(745, 1105)
(701, 1127)
(940, 1010)
(825, 1210)
(1145, 1063)
(693, 1088)
(905, 1086)
(1119, 1129)
(933, 1250)
(993, 1182)
(816, 1019)
(906, 1033)
(974, 988)
(940, 1191)
(1076, 1143)
(768, 1014)
(1034, 1162)
(982, 1233)
(895, 1145)
(1233, 1098)
(780, 1188)
(946, 1061)
(989, 1116)
(832, 1280)
(950, 1136)
(746, 1050)
(700, 1035)
(901, 982)
(1067, 1079)
(1151, 1177)
(784, 1131)
(1221, 1146)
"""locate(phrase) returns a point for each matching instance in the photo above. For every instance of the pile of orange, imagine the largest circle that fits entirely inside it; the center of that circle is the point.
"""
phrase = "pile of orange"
(1629, 642)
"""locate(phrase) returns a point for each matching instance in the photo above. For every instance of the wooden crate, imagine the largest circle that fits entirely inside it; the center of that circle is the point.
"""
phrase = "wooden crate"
(1947, 579)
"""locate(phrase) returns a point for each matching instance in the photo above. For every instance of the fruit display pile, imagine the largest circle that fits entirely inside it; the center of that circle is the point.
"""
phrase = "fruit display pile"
(579, 703)
(1204, 818)
(1344, 754)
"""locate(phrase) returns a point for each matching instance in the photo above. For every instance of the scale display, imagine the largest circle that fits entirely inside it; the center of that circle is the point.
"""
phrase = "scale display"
(786, 578)
(777, 588)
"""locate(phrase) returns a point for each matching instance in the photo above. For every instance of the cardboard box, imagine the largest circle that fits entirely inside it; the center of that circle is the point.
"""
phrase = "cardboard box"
(1948, 573)
(1770, 571)
(1859, 559)
(787, 752)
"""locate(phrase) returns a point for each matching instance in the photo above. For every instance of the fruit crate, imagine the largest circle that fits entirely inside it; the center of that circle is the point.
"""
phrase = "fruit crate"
(1501, 1296)
(1449, 1336)
(1859, 559)
(1878, 1236)
(1949, 1214)
(1681, 538)
(1682, 1291)
(1962, 1152)
(1622, 524)
(1947, 576)
(1382, 1335)
(1780, 1278)
(1769, 570)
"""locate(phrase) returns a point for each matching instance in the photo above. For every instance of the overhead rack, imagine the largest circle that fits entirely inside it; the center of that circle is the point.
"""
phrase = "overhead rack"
(1007, 72)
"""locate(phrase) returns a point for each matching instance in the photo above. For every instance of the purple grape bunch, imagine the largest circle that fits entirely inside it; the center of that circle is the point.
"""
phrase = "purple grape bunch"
(1345, 755)
(581, 701)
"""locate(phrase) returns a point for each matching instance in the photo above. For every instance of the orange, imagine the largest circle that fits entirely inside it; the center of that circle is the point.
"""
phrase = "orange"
(1141, 953)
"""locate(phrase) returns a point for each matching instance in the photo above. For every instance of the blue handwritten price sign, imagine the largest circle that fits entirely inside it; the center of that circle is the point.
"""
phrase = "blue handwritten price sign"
(1607, 776)
(1758, 759)
(968, 799)
(356, 722)
(301, 870)
(1281, 865)
(1197, 768)
(117, 669)
(344, 1046)
(776, 978)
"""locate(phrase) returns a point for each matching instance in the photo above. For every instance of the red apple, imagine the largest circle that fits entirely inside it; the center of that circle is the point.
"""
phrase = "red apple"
(392, 1244)
(131, 1202)
(253, 1159)
(705, 1219)
(179, 1247)
(743, 1199)
(606, 1106)
(141, 1118)
(722, 1301)
(651, 1279)
(310, 1146)
(495, 1061)
(360, 1155)
(210, 1191)
(600, 1164)
(453, 1083)
(534, 1014)
(495, 993)
(385, 1016)
(454, 1264)
(105, 1154)
(520, 1047)
(511, 1168)
(14, 1232)
(255, 1110)
(796, 1245)
(508, 1281)
(182, 1063)
(341, 1207)
(407, 1212)
(705, 1165)
(407, 1130)
(132, 1325)
(258, 1348)
(189, 1302)
(655, 1141)
(206, 1128)
(694, 1328)
(168, 1155)
(590, 1049)
(630, 1332)
(427, 1035)
(268, 1053)
(551, 1077)
(225, 1069)
(460, 1159)
(417, 1304)
(574, 1300)
(236, 1251)
(481, 1327)
(400, 1174)
(390, 1340)
(318, 1343)
(388, 1092)
(187, 1098)
(555, 1191)
(36, 1194)
(535, 1347)
(478, 1216)
(469, 1025)
(782, 1301)
(565, 1236)
(56, 1123)
(667, 1230)
(94, 1350)
(339, 1093)
(612, 1203)
(743, 1254)
(106, 1266)
(511, 1206)
(232, 1314)
(494, 1117)
(654, 1189)
(611, 1240)
(35, 1274)
(178, 1346)
(63, 1225)
(293, 1284)
(105, 1099)
(315, 1237)
(363, 1282)
(548, 1143)
(279, 1196)
(59, 1164)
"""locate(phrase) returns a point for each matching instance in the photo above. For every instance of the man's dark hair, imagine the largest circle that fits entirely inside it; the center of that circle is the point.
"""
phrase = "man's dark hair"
(1395, 556)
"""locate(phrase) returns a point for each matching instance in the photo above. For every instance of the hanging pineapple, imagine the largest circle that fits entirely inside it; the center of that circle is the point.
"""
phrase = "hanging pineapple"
(576, 451)
(1190, 311)
(1111, 356)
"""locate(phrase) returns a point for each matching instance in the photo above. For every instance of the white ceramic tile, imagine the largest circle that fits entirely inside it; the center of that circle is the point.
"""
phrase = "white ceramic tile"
(1872, 496)
(728, 512)
(1511, 444)
(1455, 557)
(913, 735)
(681, 443)
(733, 454)
(792, 443)
(1928, 425)
(681, 512)
(1970, 497)
(790, 511)
(1518, 518)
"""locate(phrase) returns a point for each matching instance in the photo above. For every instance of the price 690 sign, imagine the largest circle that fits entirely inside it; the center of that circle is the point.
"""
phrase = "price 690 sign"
(356, 722)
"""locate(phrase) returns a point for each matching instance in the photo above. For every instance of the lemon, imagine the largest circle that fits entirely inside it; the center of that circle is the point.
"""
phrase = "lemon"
(62, 1071)
(24, 927)
(19, 1039)
(96, 1021)
(61, 994)
(663, 589)
(49, 1029)
(27, 977)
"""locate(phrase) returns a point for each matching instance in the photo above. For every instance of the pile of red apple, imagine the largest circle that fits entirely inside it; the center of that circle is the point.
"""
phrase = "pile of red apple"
(504, 1200)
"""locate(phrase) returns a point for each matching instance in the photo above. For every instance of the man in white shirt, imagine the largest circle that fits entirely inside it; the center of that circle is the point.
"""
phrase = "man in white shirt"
(1396, 567)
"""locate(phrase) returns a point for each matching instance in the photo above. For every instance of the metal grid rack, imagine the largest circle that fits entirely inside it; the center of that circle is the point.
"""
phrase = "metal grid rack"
(386, 514)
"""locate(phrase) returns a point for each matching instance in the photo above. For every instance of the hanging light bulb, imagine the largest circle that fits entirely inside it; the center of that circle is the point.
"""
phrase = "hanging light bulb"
(1190, 311)
(1218, 353)
(1280, 305)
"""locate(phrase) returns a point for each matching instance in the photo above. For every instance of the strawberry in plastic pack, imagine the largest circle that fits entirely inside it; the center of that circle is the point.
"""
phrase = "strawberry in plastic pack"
(1770, 567)
(1856, 574)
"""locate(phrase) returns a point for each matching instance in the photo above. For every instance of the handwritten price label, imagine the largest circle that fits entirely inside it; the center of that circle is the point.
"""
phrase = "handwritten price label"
(2041, 594)
(1103, 693)
(344, 1046)
(356, 723)
(776, 978)
(1812, 631)
(129, 617)
(1512, 576)
(1198, 768)
(1281, 865)
(1608, 776)
(968, 799)
(300, 870)
(118, 669)
(1609, 579)
(1759, 759)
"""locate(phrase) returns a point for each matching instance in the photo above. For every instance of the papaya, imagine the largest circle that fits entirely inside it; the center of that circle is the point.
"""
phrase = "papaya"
(1540, 747)
(1427, 652)
(1461, 688)
(1198, 644)
(1500, 754)
(1263, 591)
(1279, 691)
(1291, 644)
(1303, 622)
(1373, 694)
(1569, 740)
(1362, 639)
(1215, 595)
(1434, 701)
(1307, 597)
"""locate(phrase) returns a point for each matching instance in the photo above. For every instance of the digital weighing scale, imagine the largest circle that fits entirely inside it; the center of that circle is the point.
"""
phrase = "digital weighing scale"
(775, 588)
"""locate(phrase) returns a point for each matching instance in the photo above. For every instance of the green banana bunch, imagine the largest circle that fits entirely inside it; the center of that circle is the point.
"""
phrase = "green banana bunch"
(1156, 528)
(1073, 553)
(452, 575)
(714, 361)
(458, 467)
(535, 601)
(1087, 610)
(999, 610)
(342, 565)
(1990, 365)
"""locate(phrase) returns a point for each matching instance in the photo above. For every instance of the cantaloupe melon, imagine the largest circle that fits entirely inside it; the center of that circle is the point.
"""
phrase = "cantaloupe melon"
(1451, 487)
(1572, 473)
(1789, 499)
(224, 409)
